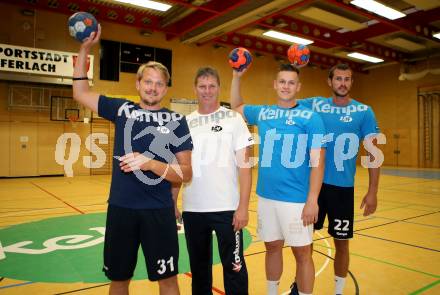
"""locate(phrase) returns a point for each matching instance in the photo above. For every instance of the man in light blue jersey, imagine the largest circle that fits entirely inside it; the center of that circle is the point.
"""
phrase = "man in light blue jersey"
(290, 172)
(348, 122)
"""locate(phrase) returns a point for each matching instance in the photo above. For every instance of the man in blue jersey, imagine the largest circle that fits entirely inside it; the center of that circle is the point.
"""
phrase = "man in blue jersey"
(348, 122)
(291, 167)
(152, 150)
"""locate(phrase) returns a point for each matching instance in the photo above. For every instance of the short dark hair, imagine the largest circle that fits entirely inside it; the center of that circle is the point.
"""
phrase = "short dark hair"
(288, 68)
(341, 66)
(205, 72)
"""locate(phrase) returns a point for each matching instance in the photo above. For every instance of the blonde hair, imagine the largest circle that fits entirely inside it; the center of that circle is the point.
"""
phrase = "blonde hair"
(153, 65)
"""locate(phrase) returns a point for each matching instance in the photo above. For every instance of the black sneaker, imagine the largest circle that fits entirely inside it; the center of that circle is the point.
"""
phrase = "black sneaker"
(294, 289)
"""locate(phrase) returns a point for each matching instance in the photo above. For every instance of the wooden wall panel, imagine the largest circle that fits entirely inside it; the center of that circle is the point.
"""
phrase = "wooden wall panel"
(4, 149)
(48, 134)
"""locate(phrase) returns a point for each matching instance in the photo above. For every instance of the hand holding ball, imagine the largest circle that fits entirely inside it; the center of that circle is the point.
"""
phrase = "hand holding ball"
(240, 58)
(81, 25)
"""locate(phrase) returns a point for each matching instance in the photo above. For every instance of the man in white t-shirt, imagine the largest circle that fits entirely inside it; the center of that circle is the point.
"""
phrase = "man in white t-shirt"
(217, 198)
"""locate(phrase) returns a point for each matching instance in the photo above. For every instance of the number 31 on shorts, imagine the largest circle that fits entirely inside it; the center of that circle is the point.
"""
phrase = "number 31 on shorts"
(342, 225)
(163, 265)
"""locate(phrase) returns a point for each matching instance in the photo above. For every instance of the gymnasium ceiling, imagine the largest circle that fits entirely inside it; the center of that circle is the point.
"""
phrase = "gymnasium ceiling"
(336, 27)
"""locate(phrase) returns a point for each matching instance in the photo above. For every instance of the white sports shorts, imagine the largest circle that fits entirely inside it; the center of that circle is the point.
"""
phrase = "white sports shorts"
(282, 221)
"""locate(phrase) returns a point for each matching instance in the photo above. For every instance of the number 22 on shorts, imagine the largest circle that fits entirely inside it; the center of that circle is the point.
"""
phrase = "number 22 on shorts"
(339, 223)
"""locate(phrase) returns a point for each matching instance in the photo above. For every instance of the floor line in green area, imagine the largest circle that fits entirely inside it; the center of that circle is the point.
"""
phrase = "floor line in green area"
(384, 262)
(425, 288)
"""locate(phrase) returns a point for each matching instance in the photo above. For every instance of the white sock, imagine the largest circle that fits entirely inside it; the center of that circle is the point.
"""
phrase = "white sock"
(301, 293)
(339, 285)
(272, 287)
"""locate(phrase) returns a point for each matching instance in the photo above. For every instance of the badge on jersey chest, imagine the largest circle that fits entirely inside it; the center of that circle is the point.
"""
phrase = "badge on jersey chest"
(216, 128)
(346, 119)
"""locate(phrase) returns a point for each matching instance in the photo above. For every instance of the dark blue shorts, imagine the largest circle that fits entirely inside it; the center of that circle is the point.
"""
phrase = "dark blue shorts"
(337, 203)
(155, 230)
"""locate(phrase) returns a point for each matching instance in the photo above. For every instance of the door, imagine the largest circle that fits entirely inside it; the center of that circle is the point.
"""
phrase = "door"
(23, 149)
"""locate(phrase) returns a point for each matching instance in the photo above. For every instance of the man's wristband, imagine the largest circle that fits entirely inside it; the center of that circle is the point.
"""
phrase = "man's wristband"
(79, 78)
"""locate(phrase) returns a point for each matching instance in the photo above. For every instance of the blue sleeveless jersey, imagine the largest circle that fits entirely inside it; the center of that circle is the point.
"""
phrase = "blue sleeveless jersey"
(286, 137)
(346, 128)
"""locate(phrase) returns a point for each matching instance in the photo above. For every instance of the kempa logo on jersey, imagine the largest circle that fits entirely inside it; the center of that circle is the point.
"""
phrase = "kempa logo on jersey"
(346, 119)
(290, 122)
(69, 249)
(147, 116)
(272, 114)
(216, 128)
(163, 129)
(207, 119)
(320, 106)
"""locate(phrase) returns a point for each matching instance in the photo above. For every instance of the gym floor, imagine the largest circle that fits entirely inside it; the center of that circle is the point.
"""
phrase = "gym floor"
(394, 251)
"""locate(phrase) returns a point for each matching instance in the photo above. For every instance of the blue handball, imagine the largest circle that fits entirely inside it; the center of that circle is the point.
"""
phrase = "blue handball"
(81, 25)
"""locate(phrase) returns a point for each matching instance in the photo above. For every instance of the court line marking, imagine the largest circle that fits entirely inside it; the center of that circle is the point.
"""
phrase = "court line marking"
(407, 203)
(329, 253)
(324, 265)
(53, 195)
(416, 223)
(398, 242)
(43, 209)
(16, 285)
(392, 222)
(394, 219)
(356, 285)
(405, 183)
(433, 194)
(218, 291)
(399, 220)
(389, 263)
(83, 289)
(423, 289)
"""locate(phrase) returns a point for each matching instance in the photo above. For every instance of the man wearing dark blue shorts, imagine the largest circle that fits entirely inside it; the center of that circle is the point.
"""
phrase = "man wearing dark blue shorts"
(152, 150)
(348, 123)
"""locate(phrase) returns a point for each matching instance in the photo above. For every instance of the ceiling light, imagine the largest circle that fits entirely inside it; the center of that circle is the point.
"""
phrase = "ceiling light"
(437, 35)
(365, 57)
(378, 8)
(287, 37)
(147, 4)
(333, 19)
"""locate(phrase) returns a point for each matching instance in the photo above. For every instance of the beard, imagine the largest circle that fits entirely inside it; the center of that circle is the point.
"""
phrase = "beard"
(341, 93)
(150, 99)
(150, 103)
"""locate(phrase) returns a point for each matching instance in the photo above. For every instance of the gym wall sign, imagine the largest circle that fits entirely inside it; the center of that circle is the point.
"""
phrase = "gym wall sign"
(40, 61)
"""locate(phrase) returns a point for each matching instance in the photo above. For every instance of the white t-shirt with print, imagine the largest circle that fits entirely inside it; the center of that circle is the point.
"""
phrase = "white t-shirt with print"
(216, 138)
